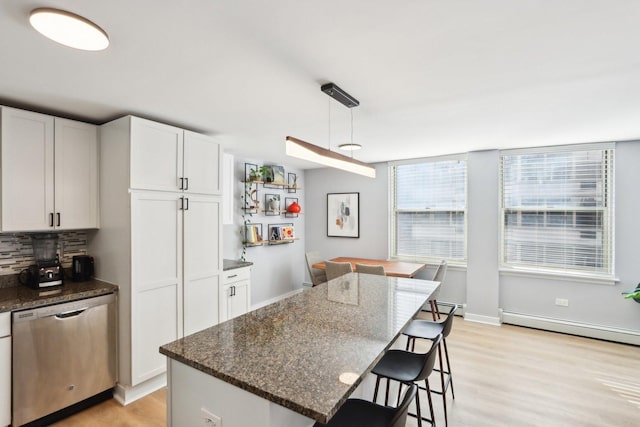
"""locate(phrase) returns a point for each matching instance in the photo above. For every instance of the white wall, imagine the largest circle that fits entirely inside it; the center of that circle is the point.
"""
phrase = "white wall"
(482, 287)
(278, 269)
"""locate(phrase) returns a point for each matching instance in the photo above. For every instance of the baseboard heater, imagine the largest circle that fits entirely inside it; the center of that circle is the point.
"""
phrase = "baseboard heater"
(573, 328)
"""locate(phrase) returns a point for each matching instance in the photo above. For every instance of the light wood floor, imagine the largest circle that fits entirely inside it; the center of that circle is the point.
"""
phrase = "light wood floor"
(503, 376)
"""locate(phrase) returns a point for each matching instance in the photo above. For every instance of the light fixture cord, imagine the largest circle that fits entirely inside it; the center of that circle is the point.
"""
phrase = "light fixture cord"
(329, 101)
(352, 150)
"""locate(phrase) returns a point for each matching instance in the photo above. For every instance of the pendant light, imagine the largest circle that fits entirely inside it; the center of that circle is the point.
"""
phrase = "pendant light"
(306, 151)
(69, 29)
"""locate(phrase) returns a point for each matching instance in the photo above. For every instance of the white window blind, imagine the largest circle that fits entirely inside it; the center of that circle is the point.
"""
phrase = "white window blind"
(429, 210)
(557, 211)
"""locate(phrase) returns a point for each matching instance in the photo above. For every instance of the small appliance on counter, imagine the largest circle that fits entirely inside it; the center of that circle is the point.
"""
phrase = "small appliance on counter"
(46, 271)
(81, 268)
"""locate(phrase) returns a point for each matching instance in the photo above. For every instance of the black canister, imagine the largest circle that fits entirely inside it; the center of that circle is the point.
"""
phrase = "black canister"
(81, 268)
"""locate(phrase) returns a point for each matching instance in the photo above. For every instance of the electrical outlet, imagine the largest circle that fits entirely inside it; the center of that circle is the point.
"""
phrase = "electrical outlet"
(209, 419)
(562, 302)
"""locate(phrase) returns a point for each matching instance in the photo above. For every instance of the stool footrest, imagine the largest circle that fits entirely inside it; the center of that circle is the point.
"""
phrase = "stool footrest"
(432, 422)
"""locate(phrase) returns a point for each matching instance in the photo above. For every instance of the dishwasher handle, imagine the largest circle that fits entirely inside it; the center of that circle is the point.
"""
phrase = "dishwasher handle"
(70, 313)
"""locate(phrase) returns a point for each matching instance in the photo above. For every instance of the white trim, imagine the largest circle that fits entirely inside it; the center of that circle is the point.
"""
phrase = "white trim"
(588, 330)
(459, 156)
(276, 299)
(545, 274)
(560, 148)
(478, 318)
(125, 394)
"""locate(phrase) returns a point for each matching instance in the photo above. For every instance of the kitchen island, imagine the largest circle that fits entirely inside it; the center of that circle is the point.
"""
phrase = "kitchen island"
(295, 361)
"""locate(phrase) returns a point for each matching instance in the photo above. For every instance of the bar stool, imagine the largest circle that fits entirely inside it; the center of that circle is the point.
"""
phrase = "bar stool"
(362, 413)
(426, 329)
(408, 368)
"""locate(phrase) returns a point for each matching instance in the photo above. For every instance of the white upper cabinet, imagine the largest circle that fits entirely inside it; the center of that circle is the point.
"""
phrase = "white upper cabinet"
(167, 158)
(202, 157)
(37, 151)
(76, 175)
(156, 156)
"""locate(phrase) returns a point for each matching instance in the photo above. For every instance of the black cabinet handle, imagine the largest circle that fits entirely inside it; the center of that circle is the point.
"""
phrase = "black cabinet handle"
(187, 205)
(181, 204)
(181, 183)
(186, 183)
(51, 219)
(58, 218)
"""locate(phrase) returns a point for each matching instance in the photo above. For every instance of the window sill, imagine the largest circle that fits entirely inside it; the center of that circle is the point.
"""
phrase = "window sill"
(580, 278)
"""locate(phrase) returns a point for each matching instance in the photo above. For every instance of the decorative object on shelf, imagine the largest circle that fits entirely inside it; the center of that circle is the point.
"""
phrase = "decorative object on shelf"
(253, 235)
(304, 150)
(292, 182)
(293, 208)
(272, 204)
(634, 294)
(281, 233)
(343, 215)
(274, 176)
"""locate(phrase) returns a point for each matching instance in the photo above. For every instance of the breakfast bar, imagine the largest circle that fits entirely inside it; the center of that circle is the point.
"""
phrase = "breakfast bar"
(295, 361)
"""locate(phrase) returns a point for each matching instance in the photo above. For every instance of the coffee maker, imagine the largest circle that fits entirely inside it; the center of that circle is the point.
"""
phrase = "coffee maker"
(46, 271)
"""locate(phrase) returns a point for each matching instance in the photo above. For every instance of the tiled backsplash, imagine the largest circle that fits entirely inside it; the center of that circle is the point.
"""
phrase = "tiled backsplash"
(16, 251)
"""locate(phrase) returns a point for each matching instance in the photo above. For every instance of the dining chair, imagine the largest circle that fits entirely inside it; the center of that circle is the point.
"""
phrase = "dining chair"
(317, 275)
(428, 330)
(408, 367)
(438, 276)
(370, 269)
(337, 269)
(362, 413)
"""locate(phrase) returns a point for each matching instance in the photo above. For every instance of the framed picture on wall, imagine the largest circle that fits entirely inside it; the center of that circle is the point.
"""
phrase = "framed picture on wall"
(343, 215)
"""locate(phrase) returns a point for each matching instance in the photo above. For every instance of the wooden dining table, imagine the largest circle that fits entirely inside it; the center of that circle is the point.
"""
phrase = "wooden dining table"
(391, 268)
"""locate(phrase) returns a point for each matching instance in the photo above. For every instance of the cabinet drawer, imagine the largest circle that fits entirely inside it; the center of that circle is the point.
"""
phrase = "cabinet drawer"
(5, 324)
(235, 275)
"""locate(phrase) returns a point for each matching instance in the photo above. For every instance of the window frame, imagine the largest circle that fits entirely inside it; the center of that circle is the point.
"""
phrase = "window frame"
(607, 214)
(393, 212)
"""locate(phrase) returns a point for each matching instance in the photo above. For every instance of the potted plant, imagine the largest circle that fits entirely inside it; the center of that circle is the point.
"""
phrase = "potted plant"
(274, 202)
(634, 294)
(256, 173)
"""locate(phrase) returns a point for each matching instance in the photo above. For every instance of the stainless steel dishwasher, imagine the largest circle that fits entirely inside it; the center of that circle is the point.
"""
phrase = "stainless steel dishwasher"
(62, 354)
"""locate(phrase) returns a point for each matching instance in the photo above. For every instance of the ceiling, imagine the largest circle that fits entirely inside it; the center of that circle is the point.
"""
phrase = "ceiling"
(433, 77)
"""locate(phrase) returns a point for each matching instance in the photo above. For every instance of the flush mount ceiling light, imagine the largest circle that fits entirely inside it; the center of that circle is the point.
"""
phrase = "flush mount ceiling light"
(69, 29)
(306, 151)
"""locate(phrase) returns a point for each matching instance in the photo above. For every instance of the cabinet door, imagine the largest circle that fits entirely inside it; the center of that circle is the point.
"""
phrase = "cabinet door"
(156, 156)
(5, 369)
(27, 170)
(202, 164)
(5, 381)
(156, 289)
(239, 302)
(76, 175)
(202, 261)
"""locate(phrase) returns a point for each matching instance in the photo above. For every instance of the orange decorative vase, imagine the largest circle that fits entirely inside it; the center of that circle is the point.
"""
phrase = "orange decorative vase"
(294, 208)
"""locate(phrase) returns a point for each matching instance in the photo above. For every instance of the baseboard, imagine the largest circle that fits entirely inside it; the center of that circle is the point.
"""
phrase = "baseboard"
(573, 328)
(276, 299)
(126, 394)
(478, 318)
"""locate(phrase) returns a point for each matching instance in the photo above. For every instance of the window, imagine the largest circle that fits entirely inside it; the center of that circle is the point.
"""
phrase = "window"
(429, 210)
(557, 210)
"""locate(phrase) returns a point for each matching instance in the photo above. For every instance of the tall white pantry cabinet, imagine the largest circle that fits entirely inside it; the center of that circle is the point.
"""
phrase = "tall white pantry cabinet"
(160, 241)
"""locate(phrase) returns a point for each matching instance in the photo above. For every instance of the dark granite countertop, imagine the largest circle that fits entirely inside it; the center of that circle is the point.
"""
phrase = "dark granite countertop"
(293, 352)
(230, 264)
(22, 297)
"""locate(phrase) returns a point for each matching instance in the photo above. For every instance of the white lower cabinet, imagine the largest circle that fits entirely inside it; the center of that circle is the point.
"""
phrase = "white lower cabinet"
(5, 369)
(235, 293)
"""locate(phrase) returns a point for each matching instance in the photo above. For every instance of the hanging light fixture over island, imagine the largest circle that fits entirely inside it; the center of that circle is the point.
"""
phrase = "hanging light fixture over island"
(306, 151)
